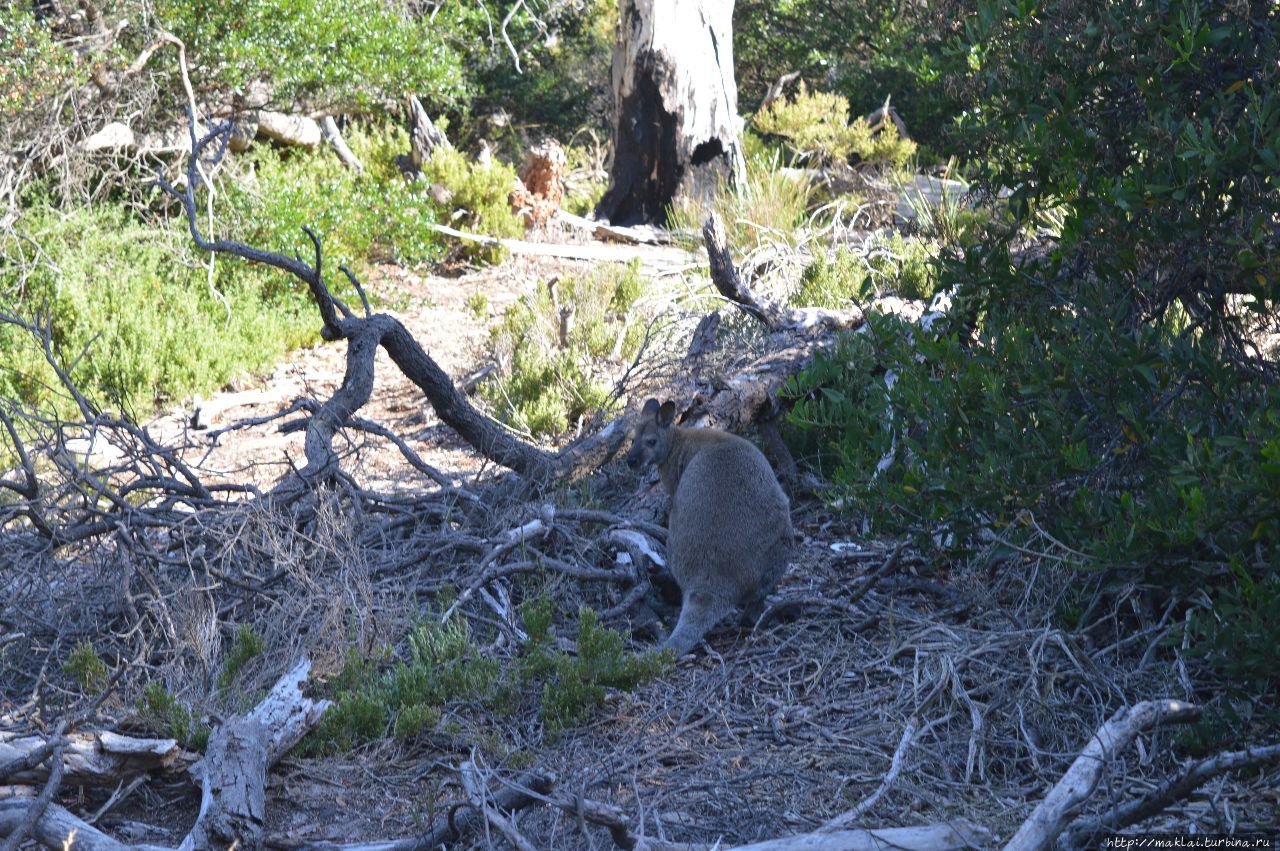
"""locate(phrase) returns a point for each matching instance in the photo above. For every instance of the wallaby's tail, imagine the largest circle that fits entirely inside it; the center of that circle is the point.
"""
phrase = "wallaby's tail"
(699, 613)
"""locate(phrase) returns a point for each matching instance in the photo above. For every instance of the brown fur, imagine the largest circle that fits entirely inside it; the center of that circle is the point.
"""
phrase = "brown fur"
(729, 532)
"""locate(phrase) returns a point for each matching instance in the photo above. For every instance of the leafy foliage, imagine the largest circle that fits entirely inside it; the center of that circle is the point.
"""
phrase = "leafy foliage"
(247, 645)
(546, 383)
(445, 670)
(153, 328)
(335, 53)
(169, 716)
(817, 125)
(1158, 125)
(362, 218)
(480, 192)
(86, 667)
(1105, 391)
(898, 51)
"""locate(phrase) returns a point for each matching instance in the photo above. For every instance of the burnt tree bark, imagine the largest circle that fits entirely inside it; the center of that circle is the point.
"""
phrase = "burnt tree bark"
(675, 130)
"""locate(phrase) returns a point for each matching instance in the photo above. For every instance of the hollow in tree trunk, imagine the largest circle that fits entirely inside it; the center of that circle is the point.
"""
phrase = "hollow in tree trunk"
(675, 133)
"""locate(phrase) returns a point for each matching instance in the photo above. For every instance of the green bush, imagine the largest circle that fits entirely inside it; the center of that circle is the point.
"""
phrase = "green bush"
(575, 685)
(33, 66)
(816, 125)
(247, 645)
(168, 716)
(323, 53)
(361, 218)
(86, 667)
(549, 386)
(773, 207)
(444, 668)
(480, 192)
(898, 50)
(153, 328)
(1104, 390)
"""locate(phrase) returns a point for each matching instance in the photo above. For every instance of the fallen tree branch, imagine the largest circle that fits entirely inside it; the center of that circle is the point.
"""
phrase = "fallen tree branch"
(233, 778)
(591, 251)
(895, 768)
(89, 759)
(37, 807)
(724, 274)
(332, 135)
(1047, 821)
(1086, 833)
(456, 824)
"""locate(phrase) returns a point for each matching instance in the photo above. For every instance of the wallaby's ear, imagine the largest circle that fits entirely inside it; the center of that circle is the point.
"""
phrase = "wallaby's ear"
(650, 408)
(667, 414)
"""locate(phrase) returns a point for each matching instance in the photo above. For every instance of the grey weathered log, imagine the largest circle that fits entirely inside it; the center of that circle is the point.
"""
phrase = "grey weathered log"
(56, 825)
(664, 255)
(1047, 821)
(948, 836)
(233, 777)
(332, 135)
(1088, 833)
(234, 771)
(93, 759)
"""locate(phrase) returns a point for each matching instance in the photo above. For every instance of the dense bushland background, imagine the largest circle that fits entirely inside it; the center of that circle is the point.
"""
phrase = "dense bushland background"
(1103, 390)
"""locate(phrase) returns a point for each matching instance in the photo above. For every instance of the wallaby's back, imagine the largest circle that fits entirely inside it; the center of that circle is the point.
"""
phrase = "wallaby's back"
(729, 530)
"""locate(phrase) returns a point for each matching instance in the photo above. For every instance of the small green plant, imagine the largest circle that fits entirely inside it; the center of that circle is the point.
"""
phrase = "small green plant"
(85, 666)
(169, 716)
(895, 264)
(444, 669)
(816, 125)
(479, 194)
(478, 304)
(362, 218)
(443, 666)
(575, 685)
(158, 332)
(246, 646)
(556, 362)
(771, 208)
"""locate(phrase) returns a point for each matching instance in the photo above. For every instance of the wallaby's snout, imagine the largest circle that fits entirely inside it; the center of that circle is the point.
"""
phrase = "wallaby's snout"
(729, 530)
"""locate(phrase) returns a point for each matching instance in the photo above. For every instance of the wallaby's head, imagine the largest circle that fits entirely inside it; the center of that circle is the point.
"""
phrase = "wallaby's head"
(651, 440)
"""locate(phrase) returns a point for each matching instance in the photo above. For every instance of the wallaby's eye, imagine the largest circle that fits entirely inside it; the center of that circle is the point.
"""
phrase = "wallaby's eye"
(651, 441)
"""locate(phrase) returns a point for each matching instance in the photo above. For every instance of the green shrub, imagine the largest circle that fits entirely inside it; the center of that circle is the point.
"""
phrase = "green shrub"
(895, 264)
(550, 386)
(816, 125)
(33, 67)
(169, 716)
(408, 699)
(246, 646)
(86, 667)
(480, 192)
(331, 53)
(153, 328)
(361, 218)
(899, 50)
(575, 685)
(1102, 390)
(444, 669)
(772, 207)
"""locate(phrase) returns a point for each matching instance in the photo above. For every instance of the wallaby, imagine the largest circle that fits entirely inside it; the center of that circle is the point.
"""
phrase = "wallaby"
(729, 530)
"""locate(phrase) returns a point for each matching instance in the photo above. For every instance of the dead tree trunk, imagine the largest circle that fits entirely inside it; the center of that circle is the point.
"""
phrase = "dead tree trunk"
(675, 108)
